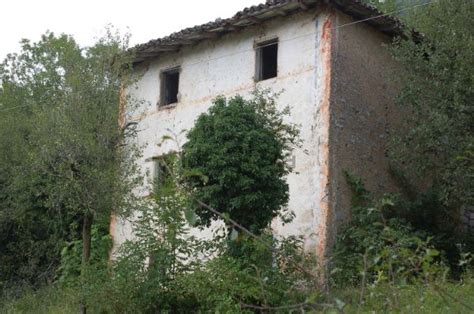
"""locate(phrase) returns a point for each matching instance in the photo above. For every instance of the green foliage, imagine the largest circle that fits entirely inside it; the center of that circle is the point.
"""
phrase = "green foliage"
(144, 276)
(235, 160)
(47, 300)
(444, 297)
(29, 250)
(164, 268)
(32, 233)
(427, 213)
(380, 246)
(437, 90)
(59, 160)
(264, 278)
(153, 278)
(69, 269)
(164, 178)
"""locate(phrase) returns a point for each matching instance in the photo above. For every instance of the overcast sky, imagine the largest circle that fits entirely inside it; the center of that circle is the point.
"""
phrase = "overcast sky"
(86, 19)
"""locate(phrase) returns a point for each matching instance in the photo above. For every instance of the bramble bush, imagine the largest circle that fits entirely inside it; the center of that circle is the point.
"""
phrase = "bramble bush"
(165, 268)
(381, 245)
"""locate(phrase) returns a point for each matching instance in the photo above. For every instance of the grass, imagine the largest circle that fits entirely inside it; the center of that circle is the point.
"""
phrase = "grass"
(431, 298)
(44, 301)
(447, 297)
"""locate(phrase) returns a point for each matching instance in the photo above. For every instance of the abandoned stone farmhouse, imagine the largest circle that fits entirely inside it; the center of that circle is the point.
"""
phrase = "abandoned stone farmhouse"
(328, 60)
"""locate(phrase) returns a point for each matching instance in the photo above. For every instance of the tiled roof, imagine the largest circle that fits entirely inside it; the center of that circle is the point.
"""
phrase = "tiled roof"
(259, 13)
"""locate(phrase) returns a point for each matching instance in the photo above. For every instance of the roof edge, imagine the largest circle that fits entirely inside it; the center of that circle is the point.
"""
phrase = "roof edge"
(260, 13)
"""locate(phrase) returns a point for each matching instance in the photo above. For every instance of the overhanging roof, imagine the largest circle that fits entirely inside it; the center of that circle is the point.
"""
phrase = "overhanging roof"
(259, 13)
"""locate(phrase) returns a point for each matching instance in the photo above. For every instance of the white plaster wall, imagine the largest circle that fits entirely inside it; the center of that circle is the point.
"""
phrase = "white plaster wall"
(226, 66)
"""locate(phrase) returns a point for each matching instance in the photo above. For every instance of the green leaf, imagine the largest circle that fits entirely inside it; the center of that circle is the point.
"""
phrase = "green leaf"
(190, 216)
(234, 234)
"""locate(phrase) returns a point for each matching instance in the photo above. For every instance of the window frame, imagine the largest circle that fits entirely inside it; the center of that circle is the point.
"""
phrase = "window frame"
(159, 163)
(163, 77)
(258, 46)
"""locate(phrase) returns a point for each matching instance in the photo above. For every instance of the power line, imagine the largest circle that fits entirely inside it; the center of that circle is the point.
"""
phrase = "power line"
(314, 33)
(289, 39)
(389, 13)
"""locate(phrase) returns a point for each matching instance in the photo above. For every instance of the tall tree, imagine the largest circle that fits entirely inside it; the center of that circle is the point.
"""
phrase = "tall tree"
(438, 89)
(60, 105)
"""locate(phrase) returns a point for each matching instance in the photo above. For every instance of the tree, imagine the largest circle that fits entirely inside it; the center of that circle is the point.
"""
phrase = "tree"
(236, 161)
(403, 9)
(437, 89)
(30, 251)
(66, 100)
(385, 6)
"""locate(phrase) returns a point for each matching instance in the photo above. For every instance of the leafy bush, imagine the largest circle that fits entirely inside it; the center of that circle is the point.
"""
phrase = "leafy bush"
(442, 297)
(69, 269)
(47, 300)
(265, 279)
(427, 213)
(235, 161)
(166, 269)
(379, 247)
(143, 278)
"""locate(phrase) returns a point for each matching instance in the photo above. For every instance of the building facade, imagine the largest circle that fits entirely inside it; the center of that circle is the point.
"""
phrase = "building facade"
(328, 62)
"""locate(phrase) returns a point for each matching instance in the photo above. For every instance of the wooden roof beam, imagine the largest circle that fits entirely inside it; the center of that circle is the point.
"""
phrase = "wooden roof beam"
(207, 35)
(303, 5)
(281, 12)
(254, 19)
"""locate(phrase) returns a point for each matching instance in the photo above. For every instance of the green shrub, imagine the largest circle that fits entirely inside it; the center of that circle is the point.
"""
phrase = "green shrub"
(166, 269)
(50, 299)
(378, 247)
(265, 278)
(443, 297)
(235, 161)
(69, 268)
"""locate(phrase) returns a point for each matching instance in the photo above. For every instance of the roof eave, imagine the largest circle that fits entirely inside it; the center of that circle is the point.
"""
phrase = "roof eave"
(261, 13)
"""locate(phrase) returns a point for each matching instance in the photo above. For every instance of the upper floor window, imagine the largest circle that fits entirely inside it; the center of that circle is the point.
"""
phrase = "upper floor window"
(169, 86)
(266, 60)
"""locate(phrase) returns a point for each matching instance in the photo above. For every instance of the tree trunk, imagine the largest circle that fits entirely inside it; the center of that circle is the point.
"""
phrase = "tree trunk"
(86, 239)
(86, 250)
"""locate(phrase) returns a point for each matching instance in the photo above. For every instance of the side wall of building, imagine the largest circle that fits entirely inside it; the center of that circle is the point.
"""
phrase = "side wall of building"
(226, 66)
(363, 114)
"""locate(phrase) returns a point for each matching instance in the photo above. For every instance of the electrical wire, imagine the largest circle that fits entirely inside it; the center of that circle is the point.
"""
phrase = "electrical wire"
(288, 39)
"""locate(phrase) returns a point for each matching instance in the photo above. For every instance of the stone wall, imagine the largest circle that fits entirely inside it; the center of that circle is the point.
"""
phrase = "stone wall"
(226, 66)
(363, 114)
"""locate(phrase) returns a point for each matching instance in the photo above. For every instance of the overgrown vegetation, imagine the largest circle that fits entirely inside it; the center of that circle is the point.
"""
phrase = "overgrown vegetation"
(61, 169)
(384, 246)
(59, 164)
(162, 269)
(437, 89)
(159, 271)
(235, 161)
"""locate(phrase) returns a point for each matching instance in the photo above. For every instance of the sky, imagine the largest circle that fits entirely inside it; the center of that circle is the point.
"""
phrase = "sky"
(86, 20)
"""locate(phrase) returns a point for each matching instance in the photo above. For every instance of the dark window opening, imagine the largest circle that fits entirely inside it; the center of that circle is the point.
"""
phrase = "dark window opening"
(169, 87)
(267, 60)
(163, 176)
